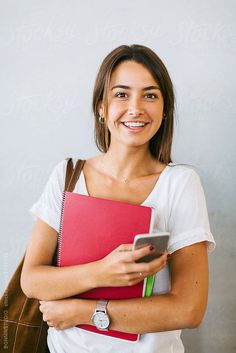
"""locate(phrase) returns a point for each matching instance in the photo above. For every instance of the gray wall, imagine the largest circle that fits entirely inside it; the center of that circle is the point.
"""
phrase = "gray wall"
(50, 53)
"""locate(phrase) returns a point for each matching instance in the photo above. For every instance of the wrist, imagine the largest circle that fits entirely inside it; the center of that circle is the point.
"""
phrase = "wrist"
(84, 311)
(96, 271)
(90, 276)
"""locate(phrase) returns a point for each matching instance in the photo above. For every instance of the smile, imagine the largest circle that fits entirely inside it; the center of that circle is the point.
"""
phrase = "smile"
(134, 124)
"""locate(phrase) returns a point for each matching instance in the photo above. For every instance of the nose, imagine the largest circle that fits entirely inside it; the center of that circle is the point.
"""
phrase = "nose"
(135, 113)
(135, 108)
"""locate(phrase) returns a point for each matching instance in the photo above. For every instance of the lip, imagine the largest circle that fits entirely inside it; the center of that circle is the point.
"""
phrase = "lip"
(134, 129)
(135, 121)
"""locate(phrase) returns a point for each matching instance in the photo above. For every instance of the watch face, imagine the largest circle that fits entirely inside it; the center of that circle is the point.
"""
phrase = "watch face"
(101, 320)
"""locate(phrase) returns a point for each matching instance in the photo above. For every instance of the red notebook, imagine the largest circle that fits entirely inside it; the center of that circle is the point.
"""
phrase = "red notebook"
(90, 229)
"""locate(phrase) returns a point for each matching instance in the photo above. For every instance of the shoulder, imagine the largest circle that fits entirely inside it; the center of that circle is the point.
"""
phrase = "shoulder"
(59, 169)
(182, 171)
(58, 172)
(181, 176)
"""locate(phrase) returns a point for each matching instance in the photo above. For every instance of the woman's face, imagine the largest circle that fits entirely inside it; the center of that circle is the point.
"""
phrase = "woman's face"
(135, 105)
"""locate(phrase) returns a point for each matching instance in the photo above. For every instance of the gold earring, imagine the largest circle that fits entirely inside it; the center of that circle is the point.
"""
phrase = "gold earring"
(101, 119)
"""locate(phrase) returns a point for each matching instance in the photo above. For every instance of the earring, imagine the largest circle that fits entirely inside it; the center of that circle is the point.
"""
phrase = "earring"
(101, 119)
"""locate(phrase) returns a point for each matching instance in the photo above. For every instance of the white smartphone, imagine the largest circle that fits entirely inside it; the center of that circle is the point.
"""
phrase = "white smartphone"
(158, 240)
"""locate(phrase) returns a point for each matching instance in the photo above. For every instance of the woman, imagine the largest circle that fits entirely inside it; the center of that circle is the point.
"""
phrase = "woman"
(133, 106)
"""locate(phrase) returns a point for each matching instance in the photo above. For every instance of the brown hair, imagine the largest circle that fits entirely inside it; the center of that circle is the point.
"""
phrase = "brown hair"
(160, 144)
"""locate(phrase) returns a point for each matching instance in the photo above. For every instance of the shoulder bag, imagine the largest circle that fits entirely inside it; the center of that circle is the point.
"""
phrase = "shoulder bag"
(22, 329)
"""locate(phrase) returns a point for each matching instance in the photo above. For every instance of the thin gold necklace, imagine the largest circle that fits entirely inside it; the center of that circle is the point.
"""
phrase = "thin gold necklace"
(123, 179)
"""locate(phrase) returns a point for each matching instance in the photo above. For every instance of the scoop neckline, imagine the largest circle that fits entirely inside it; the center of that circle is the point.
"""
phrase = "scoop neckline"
(154, 189)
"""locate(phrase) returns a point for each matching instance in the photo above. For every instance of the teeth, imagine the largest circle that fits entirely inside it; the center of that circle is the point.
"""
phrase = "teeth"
(134, 124)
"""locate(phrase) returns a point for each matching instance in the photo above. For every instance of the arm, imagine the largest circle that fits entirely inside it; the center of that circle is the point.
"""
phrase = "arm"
(42, 281)
(183, 307)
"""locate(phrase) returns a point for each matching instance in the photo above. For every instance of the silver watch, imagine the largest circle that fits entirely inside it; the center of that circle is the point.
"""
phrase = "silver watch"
(100, 317)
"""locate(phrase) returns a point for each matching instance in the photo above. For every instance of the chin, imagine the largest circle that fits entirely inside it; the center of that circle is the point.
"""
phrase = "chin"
(136, 143)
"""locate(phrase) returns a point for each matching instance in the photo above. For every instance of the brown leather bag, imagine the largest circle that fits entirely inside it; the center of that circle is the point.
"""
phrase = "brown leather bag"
(22, 329)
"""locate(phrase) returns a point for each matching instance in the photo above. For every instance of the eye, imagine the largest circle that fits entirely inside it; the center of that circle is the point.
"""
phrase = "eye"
(121, 95)
(151, 95)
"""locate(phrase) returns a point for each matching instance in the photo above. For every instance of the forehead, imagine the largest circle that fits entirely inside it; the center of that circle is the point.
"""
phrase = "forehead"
(131, 73)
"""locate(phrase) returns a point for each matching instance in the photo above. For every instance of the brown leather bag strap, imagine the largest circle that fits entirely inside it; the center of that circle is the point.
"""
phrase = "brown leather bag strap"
(72, 174)
(69, 172)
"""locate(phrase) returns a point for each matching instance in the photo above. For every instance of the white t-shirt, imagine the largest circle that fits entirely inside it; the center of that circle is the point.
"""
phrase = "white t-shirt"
(180, 208)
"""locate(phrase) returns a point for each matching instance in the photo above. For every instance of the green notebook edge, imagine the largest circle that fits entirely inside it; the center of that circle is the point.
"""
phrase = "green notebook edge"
(149, 285)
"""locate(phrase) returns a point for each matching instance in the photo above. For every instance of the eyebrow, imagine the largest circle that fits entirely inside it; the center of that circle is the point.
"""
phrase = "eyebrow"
(144, 89)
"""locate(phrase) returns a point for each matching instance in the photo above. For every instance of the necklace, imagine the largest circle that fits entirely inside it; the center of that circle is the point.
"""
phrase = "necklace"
(122, 179)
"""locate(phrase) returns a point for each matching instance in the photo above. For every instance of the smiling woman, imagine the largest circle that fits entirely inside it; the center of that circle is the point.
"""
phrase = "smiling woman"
(133, 109)
(133, 104)
(147, 82)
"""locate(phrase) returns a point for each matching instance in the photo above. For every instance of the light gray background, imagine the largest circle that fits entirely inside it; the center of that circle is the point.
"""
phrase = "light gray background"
(50, 54)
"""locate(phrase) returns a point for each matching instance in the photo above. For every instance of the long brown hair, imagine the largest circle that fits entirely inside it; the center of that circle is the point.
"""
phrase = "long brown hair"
(160, 144)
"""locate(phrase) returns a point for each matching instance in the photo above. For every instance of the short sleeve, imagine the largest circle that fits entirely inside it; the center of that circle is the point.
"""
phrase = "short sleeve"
(188, 218)
(48, 206)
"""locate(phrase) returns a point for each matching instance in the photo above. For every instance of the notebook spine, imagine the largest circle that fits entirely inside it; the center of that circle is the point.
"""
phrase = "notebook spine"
(60, 229)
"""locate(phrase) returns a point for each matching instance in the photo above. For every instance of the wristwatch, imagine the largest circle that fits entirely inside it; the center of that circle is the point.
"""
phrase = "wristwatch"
(100, 317)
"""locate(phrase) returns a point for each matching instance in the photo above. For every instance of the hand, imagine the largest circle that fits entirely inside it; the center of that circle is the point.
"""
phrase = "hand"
(119, 268)
(60, 314)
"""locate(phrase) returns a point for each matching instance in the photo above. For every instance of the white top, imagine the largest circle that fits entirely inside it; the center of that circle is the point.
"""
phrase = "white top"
(180, 208)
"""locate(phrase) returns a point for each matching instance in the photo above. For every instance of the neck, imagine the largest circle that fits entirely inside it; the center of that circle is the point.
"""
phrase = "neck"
(128, 162)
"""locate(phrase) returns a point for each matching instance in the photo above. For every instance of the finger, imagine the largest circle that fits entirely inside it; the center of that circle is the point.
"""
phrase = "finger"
(45, 318)
(41, 308)
(157, 264)
(124, 247)
(138, 276)
(139, 253)
(161, 258)
(147, 268)
(134, 278)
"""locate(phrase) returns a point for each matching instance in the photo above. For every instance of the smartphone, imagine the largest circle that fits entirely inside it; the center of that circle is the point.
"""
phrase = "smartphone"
(158, 240)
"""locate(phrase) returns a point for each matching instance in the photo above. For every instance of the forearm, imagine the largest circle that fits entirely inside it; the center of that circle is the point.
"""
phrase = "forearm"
(154, 314)
(183, 307)
(52, 283)
(158, 313)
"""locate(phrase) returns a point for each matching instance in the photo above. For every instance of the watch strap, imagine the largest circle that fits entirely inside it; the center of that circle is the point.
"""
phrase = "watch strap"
(102, 305)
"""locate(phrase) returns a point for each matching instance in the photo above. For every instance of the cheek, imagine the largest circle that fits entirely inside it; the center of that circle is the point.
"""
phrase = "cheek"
(115, 109)
(156, 110)
(115, 112)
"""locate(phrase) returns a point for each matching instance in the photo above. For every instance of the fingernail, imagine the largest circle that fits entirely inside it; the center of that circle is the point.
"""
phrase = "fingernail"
(151, 247)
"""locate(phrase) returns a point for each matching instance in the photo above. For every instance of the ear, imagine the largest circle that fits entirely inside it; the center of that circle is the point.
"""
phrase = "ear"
(101, 109)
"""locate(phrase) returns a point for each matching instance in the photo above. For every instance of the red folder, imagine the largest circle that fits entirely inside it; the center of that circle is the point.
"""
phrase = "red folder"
(90, 229)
